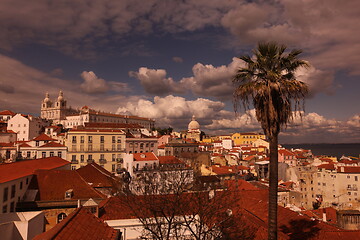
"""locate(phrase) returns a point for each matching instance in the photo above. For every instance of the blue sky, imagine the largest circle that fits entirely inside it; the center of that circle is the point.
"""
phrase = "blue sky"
(169, 60)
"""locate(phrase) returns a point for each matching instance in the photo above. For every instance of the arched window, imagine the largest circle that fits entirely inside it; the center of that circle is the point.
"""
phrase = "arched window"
(61, 217)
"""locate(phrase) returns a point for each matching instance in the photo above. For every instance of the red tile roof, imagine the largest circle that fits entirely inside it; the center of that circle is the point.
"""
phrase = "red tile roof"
(96, 175)
(330, 214)
(52, 185)
(12, 171)
(328, 166)
(348, 169)
(149, 156)
(80, 224)
(24, 145)
(169, 160)
(7, 112)
(6, 144)
(286, 152)
(52, 144)
(43, 137)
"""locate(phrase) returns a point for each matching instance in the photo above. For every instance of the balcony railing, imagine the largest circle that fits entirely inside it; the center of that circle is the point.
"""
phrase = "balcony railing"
(119, 160)
(94, 149)
(74, 161)
(102, 161)
(89, 160)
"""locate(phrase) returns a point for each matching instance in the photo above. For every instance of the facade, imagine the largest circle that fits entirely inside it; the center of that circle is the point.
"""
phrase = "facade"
(87, 115)
(246, 138)
(176, 149)
(193, 132)
(6, 115)
(57, 111)
(141, 144)
(27, 127)
(15, 179)
(103, 146)
(330, 185)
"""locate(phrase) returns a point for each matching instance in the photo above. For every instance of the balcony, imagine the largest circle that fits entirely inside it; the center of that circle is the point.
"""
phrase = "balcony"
(102, 161)
(74, 161)
(119, 160)
(90, 161)
(96, 149)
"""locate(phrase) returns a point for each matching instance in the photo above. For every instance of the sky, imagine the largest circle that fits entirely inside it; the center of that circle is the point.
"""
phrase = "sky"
(169, 60)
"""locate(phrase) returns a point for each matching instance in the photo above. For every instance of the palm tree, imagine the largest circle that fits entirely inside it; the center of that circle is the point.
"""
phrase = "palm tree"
(268, 82)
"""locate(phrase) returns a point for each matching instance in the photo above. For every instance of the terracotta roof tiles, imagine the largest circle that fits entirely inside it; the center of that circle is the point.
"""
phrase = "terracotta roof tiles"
(12, 171)
(80, 224)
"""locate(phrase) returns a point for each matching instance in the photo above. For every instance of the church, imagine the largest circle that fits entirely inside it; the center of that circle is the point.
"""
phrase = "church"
(59, 113)
(193, 131)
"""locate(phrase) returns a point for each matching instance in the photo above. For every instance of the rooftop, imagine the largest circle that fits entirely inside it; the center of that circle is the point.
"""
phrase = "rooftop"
(80, 224)
(12, 171)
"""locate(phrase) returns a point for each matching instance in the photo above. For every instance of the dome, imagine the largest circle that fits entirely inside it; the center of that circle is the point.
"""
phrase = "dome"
(193, 125)
(46, 99)
(60, 97)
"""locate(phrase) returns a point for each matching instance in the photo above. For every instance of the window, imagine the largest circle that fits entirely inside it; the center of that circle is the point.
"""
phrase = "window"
(27, 181)
(13, 188)
(6, 194)
(90, 157)
(61, 217)
(43, 154)
(141, 145)
(89, 139)
(73, 158)
(12, 207)
(59, 154)
(81, 139)
(51, 154)
(73, 139)
(102, 139)
(113, 139)
(102, 156)
(113, 166)
(73, 167)
(82, 158)
(28, 154)
(113, 147)
(118, 139)
(113, 157)
(4, 210)
(356, 178)
(90, 147)
(21, 185)
(37, 143)
(101, 147)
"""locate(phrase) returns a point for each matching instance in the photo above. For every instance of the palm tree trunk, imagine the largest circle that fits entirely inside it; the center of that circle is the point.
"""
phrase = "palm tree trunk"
(273, 189)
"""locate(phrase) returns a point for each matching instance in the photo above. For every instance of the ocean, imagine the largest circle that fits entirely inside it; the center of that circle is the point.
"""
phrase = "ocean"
(331, 149)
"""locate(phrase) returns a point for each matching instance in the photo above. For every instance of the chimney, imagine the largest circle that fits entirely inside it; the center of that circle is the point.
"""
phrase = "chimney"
(324, 215)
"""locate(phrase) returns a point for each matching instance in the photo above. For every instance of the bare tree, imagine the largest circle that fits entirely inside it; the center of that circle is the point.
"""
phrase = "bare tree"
(186, 214)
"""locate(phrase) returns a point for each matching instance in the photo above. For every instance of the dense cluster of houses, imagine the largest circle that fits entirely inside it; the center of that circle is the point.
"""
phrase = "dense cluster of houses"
(78, 167)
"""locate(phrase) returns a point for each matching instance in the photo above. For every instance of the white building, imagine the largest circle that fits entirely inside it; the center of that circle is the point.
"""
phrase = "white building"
(27, 127)
(42, 146)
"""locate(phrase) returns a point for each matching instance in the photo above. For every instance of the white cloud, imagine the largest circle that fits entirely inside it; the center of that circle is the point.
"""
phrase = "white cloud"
(93, 84)
(155, 81)
(23, 88)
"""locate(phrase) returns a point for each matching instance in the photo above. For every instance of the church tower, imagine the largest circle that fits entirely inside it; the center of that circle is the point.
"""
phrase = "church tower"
(54, 112)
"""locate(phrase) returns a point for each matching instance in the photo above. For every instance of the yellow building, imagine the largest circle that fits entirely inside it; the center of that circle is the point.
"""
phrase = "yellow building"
(246, 138)
(103, 146)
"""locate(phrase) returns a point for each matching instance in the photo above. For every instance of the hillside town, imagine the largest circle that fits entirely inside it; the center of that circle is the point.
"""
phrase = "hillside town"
(88, 174)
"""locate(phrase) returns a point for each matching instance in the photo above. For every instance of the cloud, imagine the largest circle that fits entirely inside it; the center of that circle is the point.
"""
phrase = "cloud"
(177, 59)
(93, 84)
(211, 81)
(155, 81)
(23, 88)
(180, 112)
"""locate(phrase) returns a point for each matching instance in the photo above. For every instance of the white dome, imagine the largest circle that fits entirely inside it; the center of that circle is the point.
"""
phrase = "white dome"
(193, 125)
(46, 99)
(60, 97)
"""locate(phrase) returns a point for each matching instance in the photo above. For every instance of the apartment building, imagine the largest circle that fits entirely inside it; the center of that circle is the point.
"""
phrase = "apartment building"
(103, 146)
(27, 127)
(246, 138)
(330, 184)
